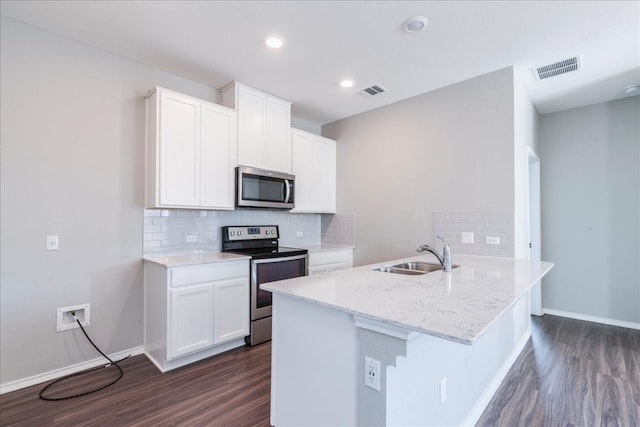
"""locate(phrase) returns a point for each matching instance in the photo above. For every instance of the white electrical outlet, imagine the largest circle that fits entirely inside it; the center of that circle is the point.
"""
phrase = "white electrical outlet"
(65, 320)
(191, 238)
(466, 236)
(493, 240)
(372, 373)
(299, 233)
(443, 391)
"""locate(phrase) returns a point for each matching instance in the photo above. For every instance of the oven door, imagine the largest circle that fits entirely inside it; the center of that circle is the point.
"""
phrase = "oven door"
(270, 270)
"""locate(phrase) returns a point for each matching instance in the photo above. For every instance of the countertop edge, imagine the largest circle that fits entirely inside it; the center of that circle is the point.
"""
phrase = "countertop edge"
(545, 267)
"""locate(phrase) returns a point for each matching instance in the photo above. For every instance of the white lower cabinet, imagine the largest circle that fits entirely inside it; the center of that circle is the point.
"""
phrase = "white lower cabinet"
(196, 311)
(190, 320)
(328, 260)
(228, 321)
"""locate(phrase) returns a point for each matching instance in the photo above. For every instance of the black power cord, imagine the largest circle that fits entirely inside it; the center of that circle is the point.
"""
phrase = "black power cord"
(111, 363)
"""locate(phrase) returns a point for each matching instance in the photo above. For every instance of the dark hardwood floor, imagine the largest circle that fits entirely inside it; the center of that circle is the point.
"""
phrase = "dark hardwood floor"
(228, 390)
(571, 373)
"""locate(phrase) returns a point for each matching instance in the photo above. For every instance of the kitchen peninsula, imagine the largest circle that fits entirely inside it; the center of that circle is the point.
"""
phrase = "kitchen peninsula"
(443, 341)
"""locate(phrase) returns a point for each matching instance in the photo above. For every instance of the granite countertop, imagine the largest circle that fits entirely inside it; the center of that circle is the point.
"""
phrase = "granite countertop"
(323, 248)
(457, 306)
(178, 260)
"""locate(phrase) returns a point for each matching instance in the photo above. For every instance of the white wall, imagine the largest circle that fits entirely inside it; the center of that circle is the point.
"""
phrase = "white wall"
(590, 177)
(450, 149)
(526, 123)
(72, 153)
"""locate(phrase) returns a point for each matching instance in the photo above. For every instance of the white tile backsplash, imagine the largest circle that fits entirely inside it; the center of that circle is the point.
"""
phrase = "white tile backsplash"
(165, 230)
(338, 229)
(498, 223)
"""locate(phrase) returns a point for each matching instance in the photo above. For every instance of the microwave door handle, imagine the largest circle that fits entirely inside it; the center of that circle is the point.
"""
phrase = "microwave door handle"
(288, 191)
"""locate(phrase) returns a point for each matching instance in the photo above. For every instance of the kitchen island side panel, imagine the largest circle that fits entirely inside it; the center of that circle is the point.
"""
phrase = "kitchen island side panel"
(317, 375)
(313, 365)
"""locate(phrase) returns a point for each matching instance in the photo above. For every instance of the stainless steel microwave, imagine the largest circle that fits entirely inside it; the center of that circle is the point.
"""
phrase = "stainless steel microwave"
(261, 188)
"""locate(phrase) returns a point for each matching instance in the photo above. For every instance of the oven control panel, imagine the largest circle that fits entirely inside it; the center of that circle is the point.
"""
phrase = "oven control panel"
(233, 233)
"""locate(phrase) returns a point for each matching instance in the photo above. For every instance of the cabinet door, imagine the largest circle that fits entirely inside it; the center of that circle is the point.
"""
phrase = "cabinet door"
(314, 165)
(179, 150)
(277, 144)
(330, 260)
(191, 319)
(231, 309)
(251, 105)
(324, 158)
(218, 156)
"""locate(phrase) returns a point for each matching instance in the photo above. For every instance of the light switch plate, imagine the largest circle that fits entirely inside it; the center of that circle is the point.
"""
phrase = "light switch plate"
(467, 237)
(52, 243)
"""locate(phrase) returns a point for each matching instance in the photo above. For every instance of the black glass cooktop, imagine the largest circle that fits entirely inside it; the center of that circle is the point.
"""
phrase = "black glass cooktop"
(273, 252)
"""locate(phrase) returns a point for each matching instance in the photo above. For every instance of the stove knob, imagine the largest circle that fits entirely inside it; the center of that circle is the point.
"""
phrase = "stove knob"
(239, 233)
(232, 233)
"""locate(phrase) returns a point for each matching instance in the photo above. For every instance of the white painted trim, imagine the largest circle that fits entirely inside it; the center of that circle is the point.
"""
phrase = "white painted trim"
(594, 319)
(481, 404)
(58, 373)
(384, 328)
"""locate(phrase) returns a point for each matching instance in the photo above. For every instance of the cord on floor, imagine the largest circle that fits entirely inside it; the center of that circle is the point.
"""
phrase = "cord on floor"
(111, 363)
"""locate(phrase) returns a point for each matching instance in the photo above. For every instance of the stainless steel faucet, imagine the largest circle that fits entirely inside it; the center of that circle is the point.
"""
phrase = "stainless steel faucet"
(445, 258)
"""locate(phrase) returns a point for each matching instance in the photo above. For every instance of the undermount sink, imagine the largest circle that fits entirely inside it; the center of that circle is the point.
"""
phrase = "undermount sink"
(413, 267)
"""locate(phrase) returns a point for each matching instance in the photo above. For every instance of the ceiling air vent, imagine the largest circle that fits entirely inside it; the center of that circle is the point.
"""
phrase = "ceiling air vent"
(371, 91)
(557, 68)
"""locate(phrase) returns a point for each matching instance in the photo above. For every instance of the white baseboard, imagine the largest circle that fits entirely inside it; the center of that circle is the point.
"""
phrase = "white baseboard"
(594, 319)
(481, 404)
(58, 373)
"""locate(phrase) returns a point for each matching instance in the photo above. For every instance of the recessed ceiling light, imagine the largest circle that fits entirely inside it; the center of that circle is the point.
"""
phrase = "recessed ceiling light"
(415, 24)
(346, 84)
(632, 89)
(274, 41)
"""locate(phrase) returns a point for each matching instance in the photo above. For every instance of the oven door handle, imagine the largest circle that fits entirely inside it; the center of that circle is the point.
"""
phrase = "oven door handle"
(289, 258)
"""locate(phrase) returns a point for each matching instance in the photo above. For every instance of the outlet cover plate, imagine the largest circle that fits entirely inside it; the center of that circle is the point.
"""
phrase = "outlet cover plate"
(372, 373)
(492, 240)
(64, 320)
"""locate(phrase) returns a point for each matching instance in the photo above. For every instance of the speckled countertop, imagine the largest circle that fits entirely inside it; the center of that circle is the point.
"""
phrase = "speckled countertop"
(457, 306)
(178, 260)
(323, 248)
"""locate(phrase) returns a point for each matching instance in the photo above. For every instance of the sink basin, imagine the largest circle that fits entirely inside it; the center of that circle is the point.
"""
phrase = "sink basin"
(398, 270)
(413, 267)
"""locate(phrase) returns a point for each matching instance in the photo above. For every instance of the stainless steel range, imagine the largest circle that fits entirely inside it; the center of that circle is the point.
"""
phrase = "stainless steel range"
(269, 262)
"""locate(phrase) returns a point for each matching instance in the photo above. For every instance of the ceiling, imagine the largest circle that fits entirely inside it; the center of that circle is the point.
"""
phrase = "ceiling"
(215, 42)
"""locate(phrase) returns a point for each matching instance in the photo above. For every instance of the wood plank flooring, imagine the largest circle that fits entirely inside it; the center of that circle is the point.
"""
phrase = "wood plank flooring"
(231, 389)
(571, 373)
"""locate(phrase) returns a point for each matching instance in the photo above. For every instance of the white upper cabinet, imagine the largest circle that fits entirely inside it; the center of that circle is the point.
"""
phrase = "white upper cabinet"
(263, 127)
(191, 152)
(314, 166)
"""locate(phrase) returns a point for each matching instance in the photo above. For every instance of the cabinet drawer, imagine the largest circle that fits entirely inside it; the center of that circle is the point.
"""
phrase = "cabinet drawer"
(331, 257)
(180, 276)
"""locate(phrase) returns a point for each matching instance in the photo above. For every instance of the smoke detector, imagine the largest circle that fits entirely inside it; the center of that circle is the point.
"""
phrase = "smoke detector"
(561, 67)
